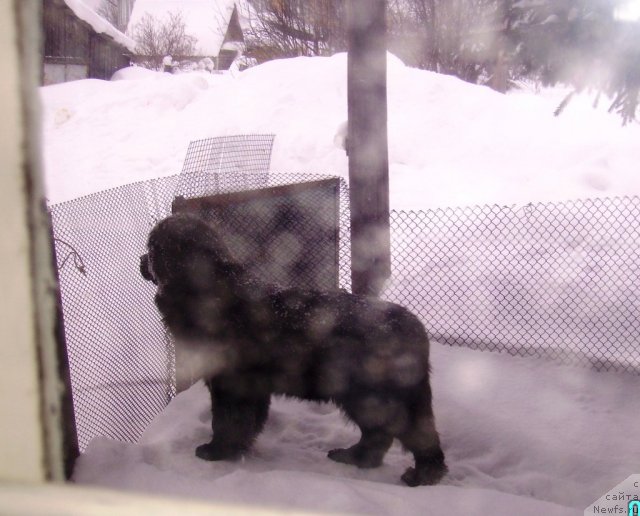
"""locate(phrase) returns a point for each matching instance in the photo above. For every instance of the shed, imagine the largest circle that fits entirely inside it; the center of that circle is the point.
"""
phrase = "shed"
(79, 44)
(217, 26)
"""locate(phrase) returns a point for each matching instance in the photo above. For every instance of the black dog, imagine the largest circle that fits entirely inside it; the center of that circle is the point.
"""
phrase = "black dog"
(369, 357)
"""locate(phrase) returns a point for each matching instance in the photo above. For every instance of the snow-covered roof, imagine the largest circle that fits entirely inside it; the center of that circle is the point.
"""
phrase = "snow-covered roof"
(206, 20)
(99, 24)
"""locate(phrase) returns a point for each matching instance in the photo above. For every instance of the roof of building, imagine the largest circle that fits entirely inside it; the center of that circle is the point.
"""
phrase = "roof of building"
(99, 24)
(206, 20)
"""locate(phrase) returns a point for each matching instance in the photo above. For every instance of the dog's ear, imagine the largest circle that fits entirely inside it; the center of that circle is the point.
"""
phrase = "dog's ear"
(145, 270)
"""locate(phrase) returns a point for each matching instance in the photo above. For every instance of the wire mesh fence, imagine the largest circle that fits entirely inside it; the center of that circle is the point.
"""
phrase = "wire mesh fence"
(122, 363)
(556, 280)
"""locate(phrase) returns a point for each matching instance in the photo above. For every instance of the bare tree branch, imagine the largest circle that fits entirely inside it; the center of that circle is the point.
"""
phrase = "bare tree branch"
(159, 38)
(289, 28)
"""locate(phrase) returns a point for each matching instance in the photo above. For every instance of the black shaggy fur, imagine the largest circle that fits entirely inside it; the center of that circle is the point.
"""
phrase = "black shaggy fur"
(369, 357)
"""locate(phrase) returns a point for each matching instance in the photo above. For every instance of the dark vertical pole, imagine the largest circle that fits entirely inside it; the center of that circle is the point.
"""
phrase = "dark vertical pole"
(367, 146)
(70, 448)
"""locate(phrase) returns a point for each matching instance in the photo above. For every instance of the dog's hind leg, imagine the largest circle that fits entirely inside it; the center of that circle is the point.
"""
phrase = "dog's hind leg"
(366, 453)
(237, 421)
(421, 438)
(430, 466)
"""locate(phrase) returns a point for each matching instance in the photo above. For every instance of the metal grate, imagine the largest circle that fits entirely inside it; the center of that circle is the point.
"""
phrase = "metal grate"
(223, 164)
(556, 280)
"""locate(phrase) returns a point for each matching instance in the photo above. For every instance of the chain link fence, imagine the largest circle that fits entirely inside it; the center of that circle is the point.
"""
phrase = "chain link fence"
(556, 280)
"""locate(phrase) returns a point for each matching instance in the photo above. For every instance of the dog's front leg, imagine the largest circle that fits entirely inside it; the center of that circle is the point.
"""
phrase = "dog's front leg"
(237, 421)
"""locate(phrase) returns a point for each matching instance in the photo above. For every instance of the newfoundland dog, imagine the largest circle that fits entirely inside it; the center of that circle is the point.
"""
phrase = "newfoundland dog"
(251, 339)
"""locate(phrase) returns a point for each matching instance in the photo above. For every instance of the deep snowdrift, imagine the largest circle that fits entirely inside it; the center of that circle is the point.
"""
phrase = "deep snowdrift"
(451, 143)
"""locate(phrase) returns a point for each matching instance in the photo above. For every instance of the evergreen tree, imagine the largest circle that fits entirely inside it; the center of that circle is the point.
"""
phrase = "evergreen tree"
(578, 43)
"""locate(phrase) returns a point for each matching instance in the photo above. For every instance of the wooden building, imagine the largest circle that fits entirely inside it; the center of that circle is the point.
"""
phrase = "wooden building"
(233, 42)
(217, 26)
(79, 44)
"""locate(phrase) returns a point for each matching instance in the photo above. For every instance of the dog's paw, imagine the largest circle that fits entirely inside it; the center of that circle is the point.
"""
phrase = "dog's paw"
(424, 476)
(214, 451)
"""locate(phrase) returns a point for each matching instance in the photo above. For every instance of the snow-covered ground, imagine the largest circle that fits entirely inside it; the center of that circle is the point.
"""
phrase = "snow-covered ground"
(522, 436)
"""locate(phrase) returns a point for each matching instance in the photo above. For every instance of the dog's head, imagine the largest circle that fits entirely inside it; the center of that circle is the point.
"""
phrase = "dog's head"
(185, 250)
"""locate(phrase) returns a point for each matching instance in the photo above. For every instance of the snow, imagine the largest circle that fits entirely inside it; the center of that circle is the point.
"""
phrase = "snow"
(99, 24)
(521, 435)
(628, 10)
(206, 20)
(451, 143)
